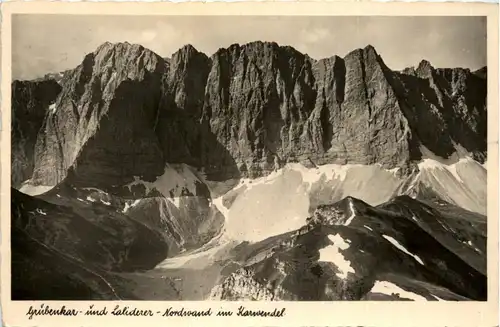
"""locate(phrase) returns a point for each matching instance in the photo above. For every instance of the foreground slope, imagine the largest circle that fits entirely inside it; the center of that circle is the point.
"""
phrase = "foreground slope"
(402, 249)
(71, 247)
(351, 250)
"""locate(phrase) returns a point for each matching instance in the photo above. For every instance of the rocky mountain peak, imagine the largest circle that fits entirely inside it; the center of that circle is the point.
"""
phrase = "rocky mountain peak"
(186, 55)
(258, 49)
(370, 48)
(123, 56)
(116, 46)
(113, 93)
(368, 52)
(481, 72)
(255, 46)
(424, 69)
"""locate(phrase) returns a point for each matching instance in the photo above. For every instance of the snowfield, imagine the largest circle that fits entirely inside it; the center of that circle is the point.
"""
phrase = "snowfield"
(33, 190)
(282, 201)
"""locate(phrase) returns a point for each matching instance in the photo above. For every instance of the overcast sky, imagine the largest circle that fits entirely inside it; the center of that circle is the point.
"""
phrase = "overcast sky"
(52, 43)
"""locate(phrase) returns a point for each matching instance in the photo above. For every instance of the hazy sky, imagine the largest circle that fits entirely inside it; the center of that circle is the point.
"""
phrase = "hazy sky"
(52, 43)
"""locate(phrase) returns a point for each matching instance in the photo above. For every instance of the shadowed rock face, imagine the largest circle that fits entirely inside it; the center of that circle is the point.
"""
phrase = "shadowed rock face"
(104, 119)
(30, 103)
(450, 102)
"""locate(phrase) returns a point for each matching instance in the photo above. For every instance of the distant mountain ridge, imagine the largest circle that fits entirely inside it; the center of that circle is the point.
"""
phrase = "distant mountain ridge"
(249, 109)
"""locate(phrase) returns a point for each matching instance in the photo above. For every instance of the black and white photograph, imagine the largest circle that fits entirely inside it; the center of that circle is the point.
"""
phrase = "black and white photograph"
(249, 158)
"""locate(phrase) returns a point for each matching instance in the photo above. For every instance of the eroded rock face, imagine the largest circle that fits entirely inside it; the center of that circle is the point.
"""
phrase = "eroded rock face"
(365, 122)
(31, 100)
(446, 102)
(104, 119)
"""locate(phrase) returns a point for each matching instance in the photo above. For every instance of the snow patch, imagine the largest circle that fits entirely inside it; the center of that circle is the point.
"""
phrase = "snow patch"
(106, 202)
(458, 180)
(332, 254)
(470, 244)
(176, 201)
(431, 161)
(444, 226)
(81, 200)
(268, 206)
(130, 205)
(431, 164)
(200, 258)
(394, 171)
(330, 172)
(33, 190)
(402, 248)
(220, 206)
(251, 183)
(437, 297)
(389, 288)
(353, 213)
(52, 108)
(368, 228)
(93, 189)
(89, 198)
(40, 211)
(173, 182)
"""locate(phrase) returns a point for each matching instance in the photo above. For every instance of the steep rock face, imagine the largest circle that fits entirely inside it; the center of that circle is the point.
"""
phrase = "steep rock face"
(183, 137)
(269, 105)
(121, 115)
(186, 80)
(258, 98)
(104, 119)
(31, 100)
(367, 124)
(447, 102)
(251, 108)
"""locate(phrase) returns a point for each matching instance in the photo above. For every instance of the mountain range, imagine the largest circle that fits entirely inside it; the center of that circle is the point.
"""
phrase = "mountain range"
(255, 173)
